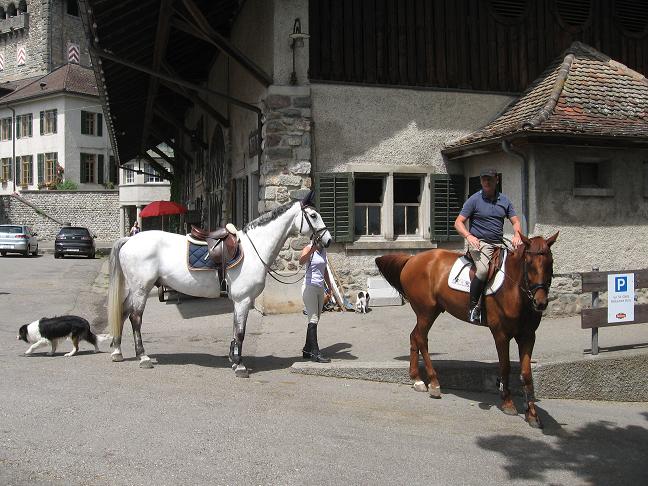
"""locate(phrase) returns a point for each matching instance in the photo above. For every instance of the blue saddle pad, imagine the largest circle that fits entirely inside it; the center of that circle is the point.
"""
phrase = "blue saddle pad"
(198, 258)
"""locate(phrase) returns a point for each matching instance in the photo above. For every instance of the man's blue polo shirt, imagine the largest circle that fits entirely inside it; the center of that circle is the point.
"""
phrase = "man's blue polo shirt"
(487, 216)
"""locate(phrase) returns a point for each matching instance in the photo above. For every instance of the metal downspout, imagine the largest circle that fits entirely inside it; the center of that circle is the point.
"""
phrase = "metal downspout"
(13, 142)
(506, 146)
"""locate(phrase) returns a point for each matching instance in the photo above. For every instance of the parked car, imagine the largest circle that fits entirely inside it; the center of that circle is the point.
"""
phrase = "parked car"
(17, 238)
(74, 240)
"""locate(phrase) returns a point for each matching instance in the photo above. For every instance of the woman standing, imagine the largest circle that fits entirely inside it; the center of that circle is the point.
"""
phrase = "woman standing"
(135, 229)
(313, 292)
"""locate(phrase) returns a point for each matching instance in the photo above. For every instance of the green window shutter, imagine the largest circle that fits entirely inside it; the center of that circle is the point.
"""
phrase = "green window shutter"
(99, 124)
(17, 164)
(30, 117)
(18, 131)
(100, 169)
(54, 126)
(447, 196)
(83, 175)
(31, 170)
(334, 192)
(83, 123)
(41, 168)
(42, 122)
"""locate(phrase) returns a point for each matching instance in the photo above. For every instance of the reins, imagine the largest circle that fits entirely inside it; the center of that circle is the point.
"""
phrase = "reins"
(316, 236)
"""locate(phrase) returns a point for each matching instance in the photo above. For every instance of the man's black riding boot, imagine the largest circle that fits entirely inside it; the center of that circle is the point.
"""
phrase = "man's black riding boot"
(311, 350)
(474, 310)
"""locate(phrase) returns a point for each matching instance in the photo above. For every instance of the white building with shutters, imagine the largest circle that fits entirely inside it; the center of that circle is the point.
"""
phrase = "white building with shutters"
(53, 127)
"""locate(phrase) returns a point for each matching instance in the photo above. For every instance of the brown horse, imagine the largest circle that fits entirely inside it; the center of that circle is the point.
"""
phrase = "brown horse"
(514, 311)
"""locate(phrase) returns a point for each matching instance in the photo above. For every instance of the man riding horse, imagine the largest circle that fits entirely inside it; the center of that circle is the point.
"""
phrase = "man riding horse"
(486, 210)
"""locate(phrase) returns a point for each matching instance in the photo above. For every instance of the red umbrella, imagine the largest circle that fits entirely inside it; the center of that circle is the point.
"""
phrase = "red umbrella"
(162, 208)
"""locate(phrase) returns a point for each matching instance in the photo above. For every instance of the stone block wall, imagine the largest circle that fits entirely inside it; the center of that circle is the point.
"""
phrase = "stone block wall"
(96, 210)
(285, 172)
(68, 29)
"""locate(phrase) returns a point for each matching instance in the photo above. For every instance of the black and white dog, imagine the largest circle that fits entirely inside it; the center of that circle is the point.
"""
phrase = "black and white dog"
(362, 304)
(56, 329)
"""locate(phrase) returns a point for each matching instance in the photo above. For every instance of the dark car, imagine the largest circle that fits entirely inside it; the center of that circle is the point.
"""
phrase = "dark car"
(73, 240)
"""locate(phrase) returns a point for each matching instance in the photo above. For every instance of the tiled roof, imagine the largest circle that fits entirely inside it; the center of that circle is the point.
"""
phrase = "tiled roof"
(69, 78)
(583, 93)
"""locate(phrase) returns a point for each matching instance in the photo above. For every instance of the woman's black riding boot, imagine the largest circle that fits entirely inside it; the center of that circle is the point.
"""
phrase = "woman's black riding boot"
(311, 349)
(474, 310)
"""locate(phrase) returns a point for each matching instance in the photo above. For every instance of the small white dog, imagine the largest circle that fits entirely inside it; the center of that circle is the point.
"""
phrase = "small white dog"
(362, 304)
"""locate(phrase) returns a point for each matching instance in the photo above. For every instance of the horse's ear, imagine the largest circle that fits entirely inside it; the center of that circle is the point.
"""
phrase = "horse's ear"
(552, 239)
(525, 240)
(309, 200)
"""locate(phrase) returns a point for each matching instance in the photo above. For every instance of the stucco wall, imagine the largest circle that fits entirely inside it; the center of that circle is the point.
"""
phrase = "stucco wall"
(96, 210)
(367, 125)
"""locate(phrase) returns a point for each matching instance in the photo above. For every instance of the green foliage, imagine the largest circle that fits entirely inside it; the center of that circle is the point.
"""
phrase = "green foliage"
(67, 186)
(109, 185)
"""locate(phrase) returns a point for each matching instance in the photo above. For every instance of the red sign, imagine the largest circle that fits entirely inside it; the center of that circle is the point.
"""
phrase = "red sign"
(621, 315)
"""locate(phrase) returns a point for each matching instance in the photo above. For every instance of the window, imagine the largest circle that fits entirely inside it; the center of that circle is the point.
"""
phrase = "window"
(88, 162)
(72, 8)
(586, 174)
(151, 175)
(5, 129)
(91, 123)
(112, 170)
(368, 196)
(25, 170)
(22, 6)
(11, 10)
(5, 169)
(48, 122)
(24, 126)
(371, 208)
(47, 165)
(407, 200)
(129, 175)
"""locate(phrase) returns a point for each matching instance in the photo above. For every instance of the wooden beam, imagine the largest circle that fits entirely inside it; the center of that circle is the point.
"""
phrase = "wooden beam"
(177, 150)
(159, 51)
(178, 81)
(156, 165)
(224, 45)
(597, 281)
(167, 117)
(164, 156)
(199, 102)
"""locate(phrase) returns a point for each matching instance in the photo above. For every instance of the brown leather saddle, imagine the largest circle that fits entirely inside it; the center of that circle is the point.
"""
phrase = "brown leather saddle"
(222, 245)
(494, 266)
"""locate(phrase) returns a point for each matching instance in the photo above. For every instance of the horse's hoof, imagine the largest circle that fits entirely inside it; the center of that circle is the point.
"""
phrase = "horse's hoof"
(509, 410)
(117, 357)
(435, 391)
(241, 372)
(534, 422)
(146, 363)
(419, 386)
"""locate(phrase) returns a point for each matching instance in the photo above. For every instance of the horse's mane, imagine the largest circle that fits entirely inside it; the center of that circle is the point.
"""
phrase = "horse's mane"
(265, 218)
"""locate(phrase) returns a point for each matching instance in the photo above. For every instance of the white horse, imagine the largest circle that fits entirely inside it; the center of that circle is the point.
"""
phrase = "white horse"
(154, 257)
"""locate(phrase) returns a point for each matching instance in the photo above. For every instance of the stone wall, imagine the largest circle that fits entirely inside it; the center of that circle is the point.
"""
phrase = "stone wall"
(67, 29)
(96, 210)
(285, 172)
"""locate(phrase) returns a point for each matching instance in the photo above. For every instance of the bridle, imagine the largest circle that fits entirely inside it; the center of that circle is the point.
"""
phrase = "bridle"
(317, 233)
(316, 236)
(532, 289)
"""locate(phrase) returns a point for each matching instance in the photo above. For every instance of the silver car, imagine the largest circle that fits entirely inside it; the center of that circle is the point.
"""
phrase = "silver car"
(16, 238)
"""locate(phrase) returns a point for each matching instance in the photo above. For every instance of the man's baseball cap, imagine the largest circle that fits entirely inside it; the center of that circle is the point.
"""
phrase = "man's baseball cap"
(490, 172)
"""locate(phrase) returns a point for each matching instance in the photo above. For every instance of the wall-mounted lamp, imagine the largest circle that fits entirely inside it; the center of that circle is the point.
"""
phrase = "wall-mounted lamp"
(297, 40)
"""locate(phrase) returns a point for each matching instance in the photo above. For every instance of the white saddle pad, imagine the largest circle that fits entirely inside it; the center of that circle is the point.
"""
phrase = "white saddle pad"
(459, 278)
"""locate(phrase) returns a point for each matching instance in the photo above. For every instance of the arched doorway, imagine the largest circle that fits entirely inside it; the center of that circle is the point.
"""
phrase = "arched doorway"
(216, 181)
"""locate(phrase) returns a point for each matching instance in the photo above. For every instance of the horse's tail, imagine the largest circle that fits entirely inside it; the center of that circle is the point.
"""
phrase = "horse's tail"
(115, 291)
(390, 267)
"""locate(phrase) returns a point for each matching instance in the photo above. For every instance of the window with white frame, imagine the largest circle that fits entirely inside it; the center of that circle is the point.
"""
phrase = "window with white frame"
(129, 175)
(88, 163)
(407, 201)
(24, 125)
(48, 122)
(5, 129)
(368, 197)
(151, 175)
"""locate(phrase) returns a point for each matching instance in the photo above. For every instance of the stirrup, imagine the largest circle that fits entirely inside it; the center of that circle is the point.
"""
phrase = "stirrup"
(474, 315)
